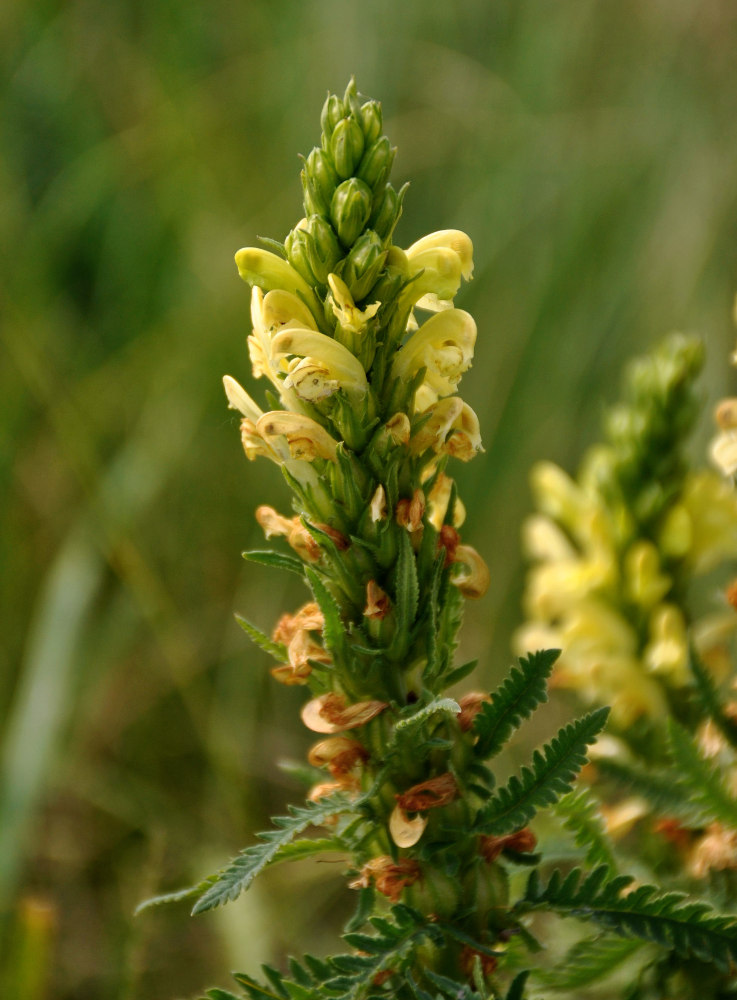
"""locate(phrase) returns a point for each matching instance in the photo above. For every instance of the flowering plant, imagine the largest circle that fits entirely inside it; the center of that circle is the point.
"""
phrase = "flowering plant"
(364, 349)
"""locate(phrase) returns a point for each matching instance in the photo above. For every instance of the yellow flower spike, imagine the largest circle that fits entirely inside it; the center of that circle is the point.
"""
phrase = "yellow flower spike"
(267, 271)
(282, 308)
(238, 399)
(667, 651)
(348, 315)
(644, 582)
(406, 832)
(474, 579)
(438, 420)
(343, 366)
(451, 239)
(444, 346)
(306, 438)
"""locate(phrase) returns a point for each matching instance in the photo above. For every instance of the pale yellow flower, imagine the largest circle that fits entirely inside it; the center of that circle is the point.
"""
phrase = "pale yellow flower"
(263, 269)
(306, 438)
(444, 346)
(326, 366)
(349, 316)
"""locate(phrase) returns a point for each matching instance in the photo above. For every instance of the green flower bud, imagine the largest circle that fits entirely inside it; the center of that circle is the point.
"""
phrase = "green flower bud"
(376, 163)
(346, 146)
(299, 254)
(371, 121)
(351, 102)
(324, 249)
(386, 212)
(363, 264)
(350, 209)
(319, 181)
(332, 112)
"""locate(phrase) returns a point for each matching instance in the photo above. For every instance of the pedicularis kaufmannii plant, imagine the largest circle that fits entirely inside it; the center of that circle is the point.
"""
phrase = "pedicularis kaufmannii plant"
(364, 350)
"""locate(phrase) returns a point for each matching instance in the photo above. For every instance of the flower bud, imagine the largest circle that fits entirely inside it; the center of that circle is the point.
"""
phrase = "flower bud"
(371, 121)
(376, 163)
(363, 264)
(319, 181)
(349, 209)
(346, 146)
(313, 249)
(332, 112)
(298, 247)
(386, 211)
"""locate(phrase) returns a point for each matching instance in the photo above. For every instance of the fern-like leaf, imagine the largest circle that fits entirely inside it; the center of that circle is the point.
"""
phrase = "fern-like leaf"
(551, 775)
(671, 920)
(351, 976)
(701, 779)
(579, 811)
(589, 961)
(666, 796)
(240, 873)
(514, 700)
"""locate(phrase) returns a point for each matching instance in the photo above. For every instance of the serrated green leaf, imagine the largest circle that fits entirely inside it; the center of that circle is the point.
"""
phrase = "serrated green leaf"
(279, 560)
(701, 779)
(406, 587)
(685, 926)
(236, 877)
(663, 793)
(333, 631)
(580, 813)
(276, 649)
(550, 776)
(589, 961)
(178, 896)
(257, 990)
(514, 700)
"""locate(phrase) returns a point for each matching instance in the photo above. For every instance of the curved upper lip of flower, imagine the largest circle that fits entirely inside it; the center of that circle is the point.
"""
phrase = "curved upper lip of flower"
(444, 344)
(326, 352)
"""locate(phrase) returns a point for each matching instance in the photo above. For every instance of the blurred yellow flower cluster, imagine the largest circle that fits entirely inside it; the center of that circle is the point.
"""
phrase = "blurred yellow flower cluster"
(615, 550)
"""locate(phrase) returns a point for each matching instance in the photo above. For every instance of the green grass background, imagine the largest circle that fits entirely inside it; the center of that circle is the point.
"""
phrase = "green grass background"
(588, 147)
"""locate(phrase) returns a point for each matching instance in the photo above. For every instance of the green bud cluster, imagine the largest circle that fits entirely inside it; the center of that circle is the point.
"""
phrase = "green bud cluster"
(350, 207)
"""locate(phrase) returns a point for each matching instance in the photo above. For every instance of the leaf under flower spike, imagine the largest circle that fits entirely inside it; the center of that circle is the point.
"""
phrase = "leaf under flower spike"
(236, 877)
(514, 700)
(668, 919)
(553, 771)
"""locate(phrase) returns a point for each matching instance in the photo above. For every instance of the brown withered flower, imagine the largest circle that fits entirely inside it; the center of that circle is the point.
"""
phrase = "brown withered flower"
(409, 513)
(389, 877)
(329, 713)
(294, 632)
(430, 794)
(470, 707)
(522, 841)
(468, 960)
(448, 539)
(339, 754)
(377, 601)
